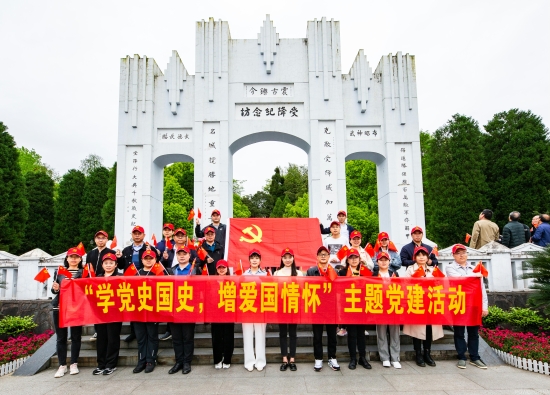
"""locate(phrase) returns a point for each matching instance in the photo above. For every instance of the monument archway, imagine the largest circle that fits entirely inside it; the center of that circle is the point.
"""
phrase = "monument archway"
(269, 89)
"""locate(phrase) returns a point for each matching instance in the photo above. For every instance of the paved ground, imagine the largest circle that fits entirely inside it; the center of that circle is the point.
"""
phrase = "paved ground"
(441, 380)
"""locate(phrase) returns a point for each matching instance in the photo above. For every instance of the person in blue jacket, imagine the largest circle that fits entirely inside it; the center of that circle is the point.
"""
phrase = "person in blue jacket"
(407, 251)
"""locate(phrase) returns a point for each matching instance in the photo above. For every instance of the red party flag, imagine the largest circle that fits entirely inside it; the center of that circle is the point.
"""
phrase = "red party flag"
(343, 252)
(392, 247)
(377, 246)
(349, 273)
(63, 271)
(113, 243)
(202, 254)
(369, 250)
(191, 215)
(268, 271)
(154, 240)
(331, 273)
(468, 237)
(158, 269)
(81, 249)
(435, 251)
(199, 214)
(42, 275)
(191, 246)
(239, 271)
(88, 271)
(481, 269)
(205, 270)
(419, 272)
(131, 270)
(437, 273)
(169, 245)
(365, 272)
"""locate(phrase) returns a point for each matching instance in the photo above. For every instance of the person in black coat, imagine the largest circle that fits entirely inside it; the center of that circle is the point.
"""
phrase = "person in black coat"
(108, 335)
(223, 333)
(213, 250)
(168, 234)
(407, 251)
(134, 252)
(221, 229)
(94, 258)
(168, 256)
(342, 215)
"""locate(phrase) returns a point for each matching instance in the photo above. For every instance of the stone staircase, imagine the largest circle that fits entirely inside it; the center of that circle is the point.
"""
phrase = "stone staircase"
(441, 349)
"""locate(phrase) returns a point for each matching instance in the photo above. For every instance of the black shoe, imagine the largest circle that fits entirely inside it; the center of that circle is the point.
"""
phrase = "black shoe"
(166, 336)
(364, 363)
(352, 364)
(139, 369)
(108, 371)
(293, 367)
(284, 366)
(130, 337)
(186, 368)
(149, 367)
(176, 368)
(97, 371)
(428, 358)
(419, 359)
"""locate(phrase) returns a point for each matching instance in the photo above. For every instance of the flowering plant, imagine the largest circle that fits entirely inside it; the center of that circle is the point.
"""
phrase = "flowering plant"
(522, 345)
(21, 346)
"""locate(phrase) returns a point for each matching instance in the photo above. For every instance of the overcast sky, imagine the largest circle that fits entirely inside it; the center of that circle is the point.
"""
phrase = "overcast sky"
(59, 68)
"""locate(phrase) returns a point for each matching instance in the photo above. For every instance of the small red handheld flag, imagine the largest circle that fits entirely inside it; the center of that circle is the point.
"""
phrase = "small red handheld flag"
(377, 246)
(437, 273)
(88, 271)
(63, 271)
(205, 270)
(191, 215)
(113, 243)
(365, 272)
(342, 253)
(331, 273)
(369, 249)
(481, 269)
(131, 270)
(239, 270)
(419, 272)
(435, 251)
(392, 247)
(158, 269)
(199, 214)
(349, 273)
(468, 237)
(169, 245)
(81, 249)
(191, 245)
(268, 271)
(42, 275)
(202, 254)
(154, 240)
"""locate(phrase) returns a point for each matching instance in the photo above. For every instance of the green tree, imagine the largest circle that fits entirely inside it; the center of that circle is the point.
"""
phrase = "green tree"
(540, 273)
(365, 222)
(94, 198)
(258, 204)
(425, 144)
(184, 173)
(13, 203)
(67, 211)
(295, 181)
(517, 149)
(279, 209)
(177, 204)
(108, 210)
(31, 161)
(240, 210)
(90, 163)
(300, 209)
(455, 174)
(39, 226)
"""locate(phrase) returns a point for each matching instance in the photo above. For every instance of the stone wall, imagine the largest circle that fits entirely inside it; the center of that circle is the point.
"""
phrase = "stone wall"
(506, 300)
(41, 310)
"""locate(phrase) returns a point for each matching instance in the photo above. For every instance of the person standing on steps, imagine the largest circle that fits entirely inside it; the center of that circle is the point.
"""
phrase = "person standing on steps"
(217, 225)
(223, 333)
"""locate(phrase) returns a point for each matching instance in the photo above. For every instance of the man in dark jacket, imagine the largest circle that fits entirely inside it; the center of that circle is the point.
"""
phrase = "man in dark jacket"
(514, 232)
(345, 229)
(217, 225)
(407, 251)
(94, 258)
(134, 252)
(213, 250)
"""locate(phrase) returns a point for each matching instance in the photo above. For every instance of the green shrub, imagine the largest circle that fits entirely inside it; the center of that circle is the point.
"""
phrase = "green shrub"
(540, 273)
(527, 320)
(496, 317)
(13, 325)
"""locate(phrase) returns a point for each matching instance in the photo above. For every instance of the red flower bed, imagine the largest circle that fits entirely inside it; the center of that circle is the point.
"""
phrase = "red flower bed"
(21, 346)
(519, 344)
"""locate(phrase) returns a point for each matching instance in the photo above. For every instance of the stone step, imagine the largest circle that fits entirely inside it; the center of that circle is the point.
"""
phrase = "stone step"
(203, 356)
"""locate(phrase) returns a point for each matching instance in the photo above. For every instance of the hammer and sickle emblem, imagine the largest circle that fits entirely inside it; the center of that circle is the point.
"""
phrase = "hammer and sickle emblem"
(254, 237)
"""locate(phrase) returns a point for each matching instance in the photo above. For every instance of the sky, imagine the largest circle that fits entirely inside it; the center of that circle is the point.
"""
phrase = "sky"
(60, 62)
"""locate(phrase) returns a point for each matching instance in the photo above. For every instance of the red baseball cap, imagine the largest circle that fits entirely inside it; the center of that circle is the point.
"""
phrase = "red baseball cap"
(138, 229)
(74, 251)
(334, 223)
(287, 251)
(209, 229)
(457, 247)
(149, 253)
(254, 251)
(353, 251)
(180, 230)
(341, 212)
(417, 229)
(222, 263)
(383, 235)
(418, 249)
(355, 234)
(216, 211)
(169, 226)
(183, 248)
(382, 254)
(101, 232)
(110, 256)
(322, 248)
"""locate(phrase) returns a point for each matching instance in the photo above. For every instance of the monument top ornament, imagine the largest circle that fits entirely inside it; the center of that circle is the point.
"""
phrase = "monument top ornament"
(270, 89)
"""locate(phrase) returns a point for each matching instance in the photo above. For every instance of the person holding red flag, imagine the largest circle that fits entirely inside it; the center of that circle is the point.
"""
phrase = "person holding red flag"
(108, 335)
(254, 332)
(212, 251)
(385, 245)
(94, 258)
(355, 242)
(422, 334)
(388, 349)
(345, 229)
(356, 332)
(288, 268)
(168, 235)
(461, 268)
(334, 243)
(220, 229)
(134, 252)
(223, 333)
(407, 251)
(320, 270)
(72, 269)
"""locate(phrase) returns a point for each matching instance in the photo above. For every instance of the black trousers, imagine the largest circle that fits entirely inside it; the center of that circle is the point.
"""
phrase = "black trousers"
(223, 341)
(108, 344)
(61, 344)
(356, 340)
(147, 335)
(291, 330)
(183, 340)
(426, 343)
(318, 340)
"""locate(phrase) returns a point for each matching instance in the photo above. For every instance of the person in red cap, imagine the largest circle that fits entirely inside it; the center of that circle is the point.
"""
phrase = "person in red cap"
(221, 229)
(287, 268)
(461, 268)
(345, 230)
(422, 334)
(320, 269)
(384, 242)
(167, 234)
(334, 243)
(255, 331)
(73, 263)
(214, 251)
(407, 251)
(134, 252)
(94, 258)
(355, 241)
(388, 348)
(108, 335)
(223, 333)
(355, 332)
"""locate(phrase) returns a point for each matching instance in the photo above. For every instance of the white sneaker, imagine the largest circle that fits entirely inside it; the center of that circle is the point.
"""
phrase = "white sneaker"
(74, 369)
(333, 364)
(386, 364)
(396, 365)
(219, 365)
(249, 369)
(61, 371)
(226, 365)
(260, 368)
(94, 337)
(366, 333)
(318, 365)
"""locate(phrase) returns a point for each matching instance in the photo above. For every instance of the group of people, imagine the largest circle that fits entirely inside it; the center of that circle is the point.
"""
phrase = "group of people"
(178, 261)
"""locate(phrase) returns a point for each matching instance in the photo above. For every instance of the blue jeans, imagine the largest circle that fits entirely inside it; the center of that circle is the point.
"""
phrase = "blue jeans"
(473, 342)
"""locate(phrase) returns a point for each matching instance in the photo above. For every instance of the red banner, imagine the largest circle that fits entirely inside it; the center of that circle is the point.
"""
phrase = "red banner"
(270, 236)
(301, 300)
